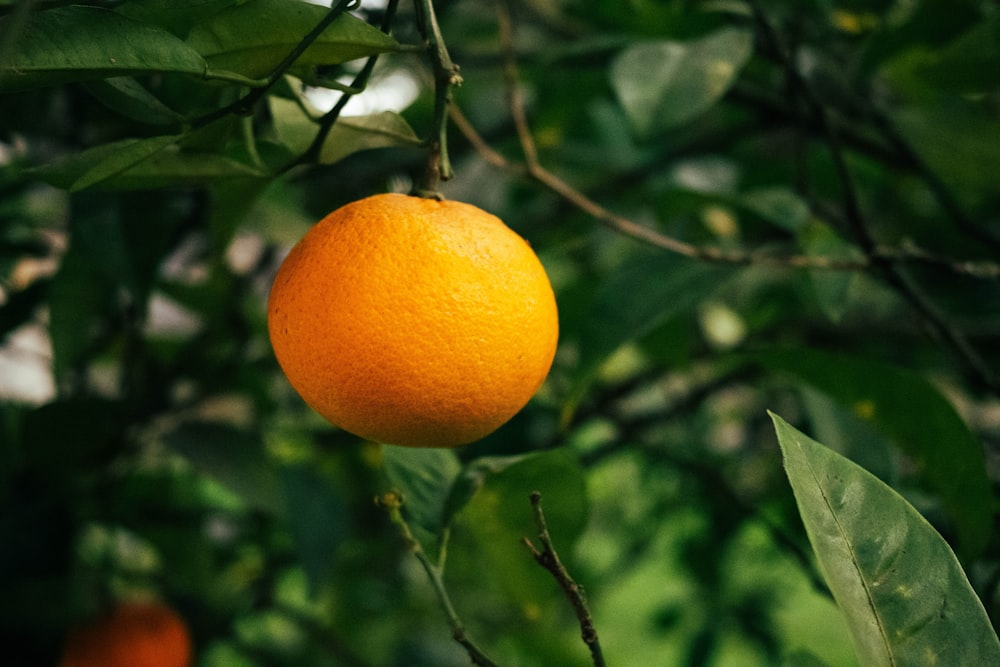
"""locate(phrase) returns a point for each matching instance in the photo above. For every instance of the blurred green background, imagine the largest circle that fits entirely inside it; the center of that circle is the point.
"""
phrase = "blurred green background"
(149, 442)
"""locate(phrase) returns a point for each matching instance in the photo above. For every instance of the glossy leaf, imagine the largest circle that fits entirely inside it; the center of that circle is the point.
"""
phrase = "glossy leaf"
(128, 97)
(252, 38)
(135, 164)
(424, 478)
(357, 133)
(349, 134)
(94, 165)
(667, 83)
(902, 591)
(84, 43)
(908, 409)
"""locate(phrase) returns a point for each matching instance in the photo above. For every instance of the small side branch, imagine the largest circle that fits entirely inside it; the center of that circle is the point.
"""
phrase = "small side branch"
(392, 503)
(446, 75)
(549, 559)
(245, 104)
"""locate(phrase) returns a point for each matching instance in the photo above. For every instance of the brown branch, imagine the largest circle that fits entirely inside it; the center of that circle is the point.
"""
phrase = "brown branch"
(533, 169)
(875, 257)
(901, 282)
(549, 559)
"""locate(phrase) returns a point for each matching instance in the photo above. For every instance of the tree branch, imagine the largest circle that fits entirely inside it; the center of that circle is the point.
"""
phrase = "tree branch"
(549, 559)
(885, 265)
(446, 75)
(246, 103)
(533, 169)
(392, 503)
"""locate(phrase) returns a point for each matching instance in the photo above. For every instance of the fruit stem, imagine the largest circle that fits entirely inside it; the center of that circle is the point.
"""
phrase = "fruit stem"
(446, 75)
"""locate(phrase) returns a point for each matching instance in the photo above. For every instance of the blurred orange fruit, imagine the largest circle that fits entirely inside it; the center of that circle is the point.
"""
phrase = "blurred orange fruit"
(133, 634)
(413, 321)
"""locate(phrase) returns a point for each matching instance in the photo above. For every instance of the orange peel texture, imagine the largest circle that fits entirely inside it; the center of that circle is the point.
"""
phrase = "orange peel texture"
(413, 321)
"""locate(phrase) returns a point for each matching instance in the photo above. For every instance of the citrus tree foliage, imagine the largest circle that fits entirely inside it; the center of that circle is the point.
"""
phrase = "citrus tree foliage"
(744, 207)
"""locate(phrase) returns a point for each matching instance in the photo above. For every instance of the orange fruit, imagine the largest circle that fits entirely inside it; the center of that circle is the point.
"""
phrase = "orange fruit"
(133, 634)
(413, 321)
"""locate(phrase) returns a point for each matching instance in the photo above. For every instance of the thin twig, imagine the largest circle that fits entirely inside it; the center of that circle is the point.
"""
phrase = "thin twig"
(392, 503)
(326, 123)
(549, 559)
(533, 169)
(901, 282)
(446, 76)
(245, 104)
(875, 258)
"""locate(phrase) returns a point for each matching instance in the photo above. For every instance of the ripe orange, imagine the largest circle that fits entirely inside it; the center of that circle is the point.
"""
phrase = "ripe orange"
(413, 321)
(133, 634)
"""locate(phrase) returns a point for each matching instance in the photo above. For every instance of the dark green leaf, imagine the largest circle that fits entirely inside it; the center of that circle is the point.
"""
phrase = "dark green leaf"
(908, 409)
(316, 514)
(489, 529)
(232, 456)
(777, 205)
(668, 83)
(79, 296)
(84, 43)
(128, 97)
(254, 37)
(960, 142)
(349, 134)
(67, 435)
(473, 477)
(137, 164)
(357, 133)
(901, 589)
(424, 478)
(831, 288)
(802, 658)
(94, 165)
(177, 16)
(633, 301)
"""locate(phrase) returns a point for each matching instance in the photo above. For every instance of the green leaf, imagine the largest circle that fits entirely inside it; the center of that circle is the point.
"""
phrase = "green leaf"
(83, 43)
(802, 658)
(832, 288)
(177, 16)
(960, 142)
(252, 38)
(349, 134)
(489, 529)
(234, 457)
(137, 164)
(473, 477)
(778, 205)
(316, 514)
(635, 300)
(902, 591)
(423, 476)
(908, 409)
(94, 165)
(128, 97)
(666, 83)
(79, 296)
